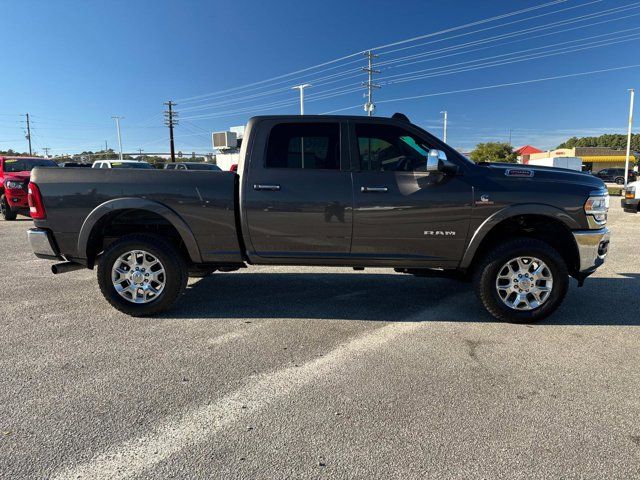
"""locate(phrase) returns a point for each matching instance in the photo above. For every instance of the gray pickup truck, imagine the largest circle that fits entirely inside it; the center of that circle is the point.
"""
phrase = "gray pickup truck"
(334, 191)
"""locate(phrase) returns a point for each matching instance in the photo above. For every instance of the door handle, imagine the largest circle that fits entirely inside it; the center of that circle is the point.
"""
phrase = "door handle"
(374, 189)
(262, 186)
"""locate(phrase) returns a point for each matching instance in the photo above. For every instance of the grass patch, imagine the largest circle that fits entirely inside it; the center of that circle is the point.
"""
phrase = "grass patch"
(615, 191)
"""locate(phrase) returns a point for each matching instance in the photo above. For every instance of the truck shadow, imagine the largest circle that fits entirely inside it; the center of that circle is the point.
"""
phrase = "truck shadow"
(389, 297)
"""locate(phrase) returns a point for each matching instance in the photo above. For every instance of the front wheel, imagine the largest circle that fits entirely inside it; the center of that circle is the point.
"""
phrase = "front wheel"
(142, 275)
(7, 213)
(523, 280)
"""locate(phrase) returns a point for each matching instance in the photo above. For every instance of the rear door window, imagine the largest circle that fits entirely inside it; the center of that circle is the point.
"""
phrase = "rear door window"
(304, 146)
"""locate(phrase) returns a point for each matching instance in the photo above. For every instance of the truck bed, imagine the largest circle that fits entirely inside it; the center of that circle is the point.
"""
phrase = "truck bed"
(206, 201)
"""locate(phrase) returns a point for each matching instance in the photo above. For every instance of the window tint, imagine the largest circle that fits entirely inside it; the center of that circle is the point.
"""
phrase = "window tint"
(387, 148)
(306, 145)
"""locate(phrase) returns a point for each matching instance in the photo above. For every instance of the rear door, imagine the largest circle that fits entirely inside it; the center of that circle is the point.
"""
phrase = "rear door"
(297, 194)
(401, 212)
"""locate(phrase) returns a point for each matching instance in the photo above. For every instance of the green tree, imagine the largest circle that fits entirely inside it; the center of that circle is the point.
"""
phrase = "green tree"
(494, 152)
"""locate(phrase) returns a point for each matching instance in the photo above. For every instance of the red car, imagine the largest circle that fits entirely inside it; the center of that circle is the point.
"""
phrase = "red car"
(14, 179)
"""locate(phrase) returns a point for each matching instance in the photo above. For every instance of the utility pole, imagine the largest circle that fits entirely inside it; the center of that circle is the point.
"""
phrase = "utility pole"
(117, 119)
(509, 137)
(444, 126)
(140, 156)
(370, 107)
(46, 151)
(28, 136)
(301, 88)
(626, 162)
(106, 147)
(170, 121)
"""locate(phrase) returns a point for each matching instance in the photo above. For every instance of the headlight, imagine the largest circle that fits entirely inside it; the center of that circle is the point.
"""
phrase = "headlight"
(597, 207)
(14, 185)
(630, 193)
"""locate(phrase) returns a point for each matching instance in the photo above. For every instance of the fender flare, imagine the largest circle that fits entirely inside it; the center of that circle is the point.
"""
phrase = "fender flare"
(133, 203)
(513, 211)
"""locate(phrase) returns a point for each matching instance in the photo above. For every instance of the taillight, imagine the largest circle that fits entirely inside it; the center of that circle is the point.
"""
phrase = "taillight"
(36, 206)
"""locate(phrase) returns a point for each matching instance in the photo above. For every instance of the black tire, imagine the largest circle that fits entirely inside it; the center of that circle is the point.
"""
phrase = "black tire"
(486, 273)
(7, 213)
(176, 275)
(619, 181)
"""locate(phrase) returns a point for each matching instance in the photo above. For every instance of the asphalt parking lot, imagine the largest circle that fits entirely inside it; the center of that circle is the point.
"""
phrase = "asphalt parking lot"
(317, 373)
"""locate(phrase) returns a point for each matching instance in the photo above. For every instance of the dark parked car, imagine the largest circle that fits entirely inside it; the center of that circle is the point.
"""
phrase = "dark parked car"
(74, 165)
(192, 166)
(334, 191)
(616, 175)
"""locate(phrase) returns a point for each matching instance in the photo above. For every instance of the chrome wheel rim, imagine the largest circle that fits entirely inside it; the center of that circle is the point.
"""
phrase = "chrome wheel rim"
(138, 276)
(524, 283)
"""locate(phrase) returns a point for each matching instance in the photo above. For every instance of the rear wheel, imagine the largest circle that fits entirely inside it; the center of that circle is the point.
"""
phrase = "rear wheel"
(523, 280)
(7, 213)
(620, 181)
(142, 275)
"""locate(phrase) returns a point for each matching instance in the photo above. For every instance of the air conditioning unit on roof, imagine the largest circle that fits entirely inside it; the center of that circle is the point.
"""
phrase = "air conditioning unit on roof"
(222, 140)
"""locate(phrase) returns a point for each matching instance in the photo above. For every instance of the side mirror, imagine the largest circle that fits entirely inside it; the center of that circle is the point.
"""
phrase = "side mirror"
(437, 162)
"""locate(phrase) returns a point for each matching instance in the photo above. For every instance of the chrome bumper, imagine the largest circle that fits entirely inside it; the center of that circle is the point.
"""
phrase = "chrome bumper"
(41, 244)
(592, 248)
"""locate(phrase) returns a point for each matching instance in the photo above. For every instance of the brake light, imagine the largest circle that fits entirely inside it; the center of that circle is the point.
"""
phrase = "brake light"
(36, 206)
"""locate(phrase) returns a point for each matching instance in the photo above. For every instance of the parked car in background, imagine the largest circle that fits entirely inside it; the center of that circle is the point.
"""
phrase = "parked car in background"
(74, 165)
(121, 164)
(14, 178)
(192, 166)
(615, 175)
(631, 199)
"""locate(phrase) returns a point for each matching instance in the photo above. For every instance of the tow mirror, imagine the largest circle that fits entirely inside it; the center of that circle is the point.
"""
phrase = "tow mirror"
(437, 162)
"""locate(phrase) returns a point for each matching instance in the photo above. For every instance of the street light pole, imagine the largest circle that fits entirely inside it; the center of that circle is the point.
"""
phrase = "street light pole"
(301, 88)
(626, 162)
(117, 119)
(444, 128)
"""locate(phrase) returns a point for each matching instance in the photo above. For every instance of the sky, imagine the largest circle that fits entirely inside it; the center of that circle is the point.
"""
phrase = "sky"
(72, 65)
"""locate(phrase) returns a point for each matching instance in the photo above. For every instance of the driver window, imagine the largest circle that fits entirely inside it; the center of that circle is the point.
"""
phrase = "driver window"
(387, 148)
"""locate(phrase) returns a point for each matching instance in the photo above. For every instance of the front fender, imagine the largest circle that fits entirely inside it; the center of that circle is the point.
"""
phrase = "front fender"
(509, 212)
(133, 203)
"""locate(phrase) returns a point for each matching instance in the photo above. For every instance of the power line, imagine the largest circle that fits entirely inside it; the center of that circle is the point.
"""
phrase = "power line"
(380, 47)
(489, 87)
(402, 62)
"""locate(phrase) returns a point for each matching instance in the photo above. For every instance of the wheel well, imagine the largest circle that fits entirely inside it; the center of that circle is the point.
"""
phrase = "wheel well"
(125, 222)
(540, 227)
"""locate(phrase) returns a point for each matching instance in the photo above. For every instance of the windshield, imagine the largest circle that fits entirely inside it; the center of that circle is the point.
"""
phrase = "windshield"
(202, 166)
(130, 165)
(26, 164)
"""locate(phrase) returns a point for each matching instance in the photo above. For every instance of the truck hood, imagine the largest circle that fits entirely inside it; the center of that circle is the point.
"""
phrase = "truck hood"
(546, 174)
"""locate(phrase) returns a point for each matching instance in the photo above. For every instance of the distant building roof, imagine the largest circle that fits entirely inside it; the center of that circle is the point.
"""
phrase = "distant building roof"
(527, 150)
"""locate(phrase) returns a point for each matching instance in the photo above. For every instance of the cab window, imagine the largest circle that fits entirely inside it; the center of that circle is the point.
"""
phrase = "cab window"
(304, 146)
(387, 148)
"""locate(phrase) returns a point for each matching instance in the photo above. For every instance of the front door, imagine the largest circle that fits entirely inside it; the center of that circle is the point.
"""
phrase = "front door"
(298, 202)
(401, 212)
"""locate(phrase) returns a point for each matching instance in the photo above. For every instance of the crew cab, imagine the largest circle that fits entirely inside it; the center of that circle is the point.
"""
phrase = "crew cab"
(334, 191)
(14, 178)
